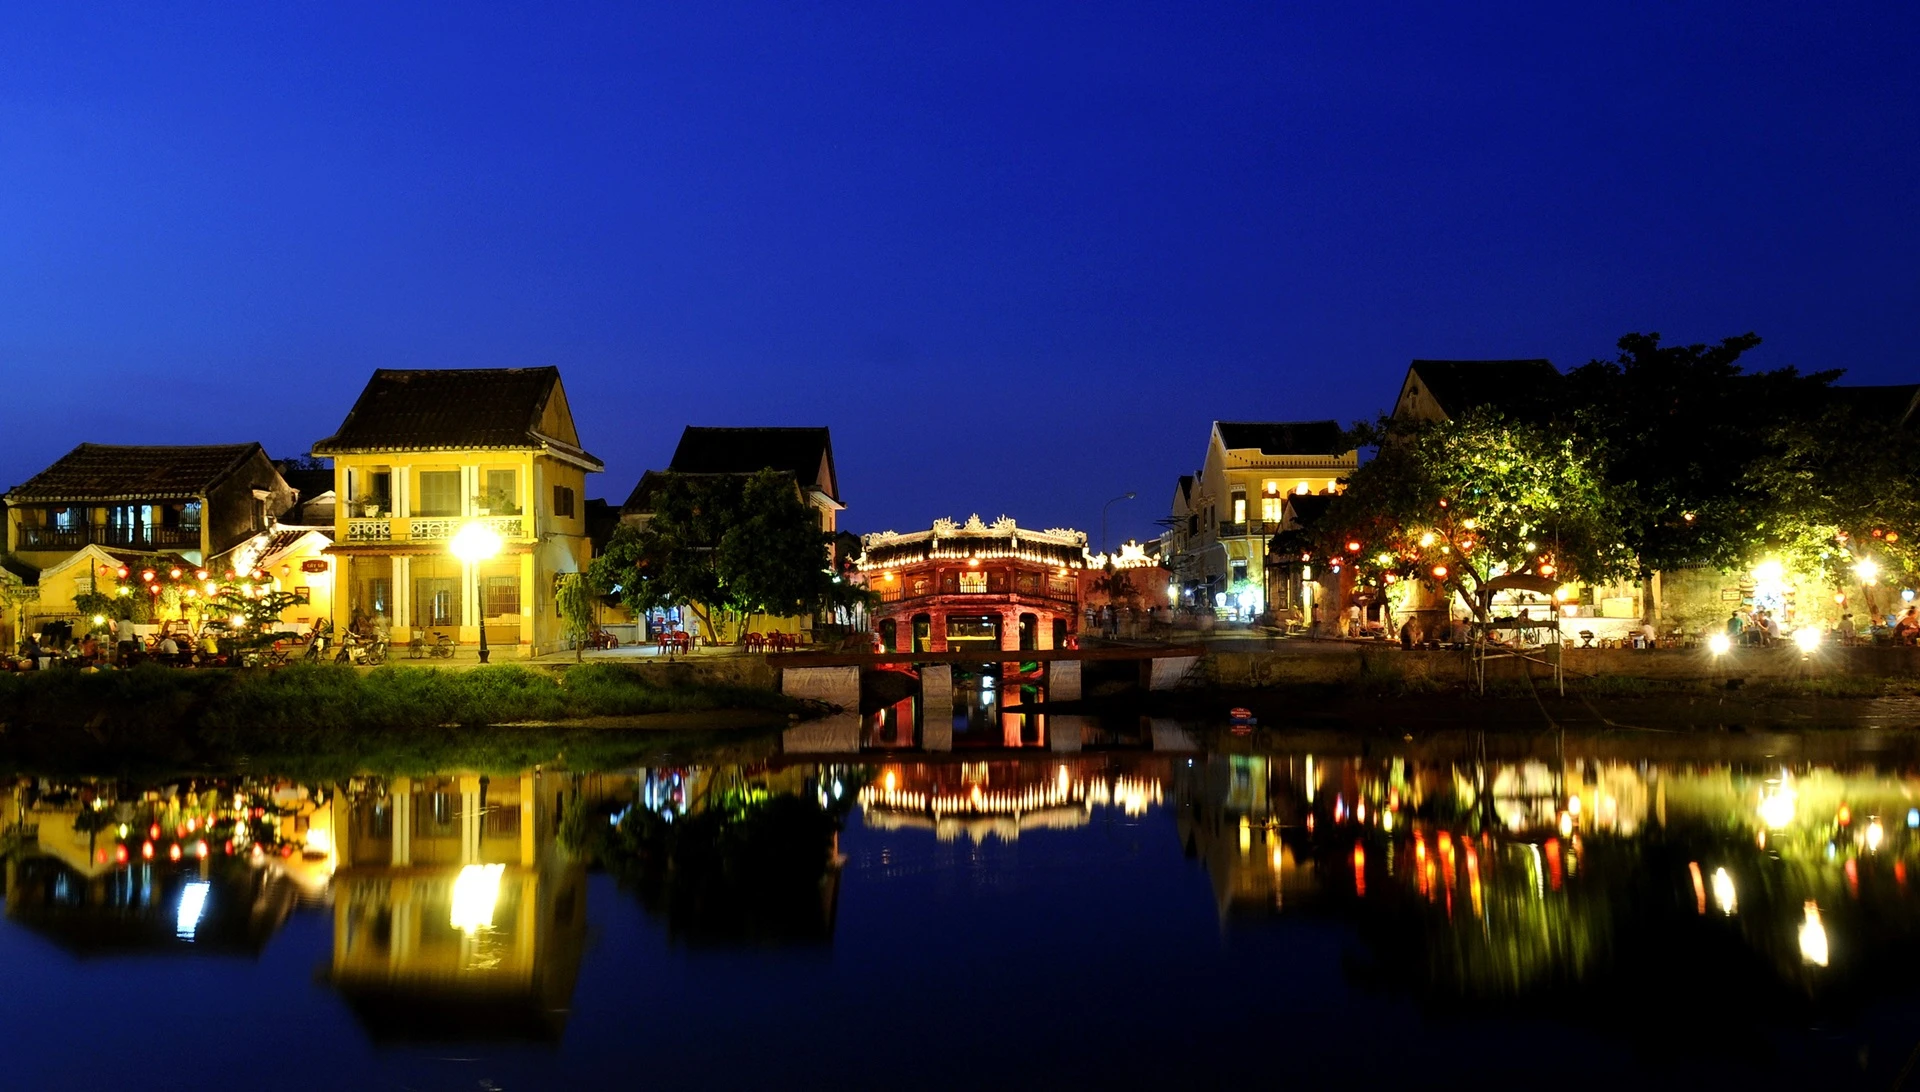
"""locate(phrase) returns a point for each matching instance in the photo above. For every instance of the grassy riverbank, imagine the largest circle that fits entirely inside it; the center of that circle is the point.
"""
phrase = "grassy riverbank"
(340, 720)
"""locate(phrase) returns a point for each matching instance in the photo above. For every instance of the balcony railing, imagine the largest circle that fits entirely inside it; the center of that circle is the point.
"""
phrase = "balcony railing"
(372, 529)
(126, 538)
(435, 528)
(1256, 527)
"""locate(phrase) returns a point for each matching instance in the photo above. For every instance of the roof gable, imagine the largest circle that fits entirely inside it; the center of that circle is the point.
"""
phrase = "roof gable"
(806, 453)
(1283, 437)
(1519, 387)
(112, 472)
(451, 409)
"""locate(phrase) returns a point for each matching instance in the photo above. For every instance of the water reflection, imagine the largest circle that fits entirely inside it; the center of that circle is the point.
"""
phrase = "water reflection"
(1576, 875)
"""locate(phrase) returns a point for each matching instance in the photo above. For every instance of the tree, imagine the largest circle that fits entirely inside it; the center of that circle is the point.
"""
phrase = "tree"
(1684, 427)
(718, 545)
(1839, 485)
(1456, 503)
(572, 596)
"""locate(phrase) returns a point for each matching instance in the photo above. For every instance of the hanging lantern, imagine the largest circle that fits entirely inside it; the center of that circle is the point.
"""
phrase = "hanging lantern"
(1440, 572)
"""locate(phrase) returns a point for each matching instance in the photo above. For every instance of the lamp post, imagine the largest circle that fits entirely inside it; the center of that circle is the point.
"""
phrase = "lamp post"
(473, 543)
(1129, 495)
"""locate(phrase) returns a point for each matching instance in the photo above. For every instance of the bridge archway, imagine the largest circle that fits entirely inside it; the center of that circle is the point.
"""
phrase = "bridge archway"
(889, 634)
(923, 633)
(1029, 632)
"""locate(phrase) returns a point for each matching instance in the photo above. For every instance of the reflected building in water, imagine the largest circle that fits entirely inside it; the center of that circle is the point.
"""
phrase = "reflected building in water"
(457, 911)
(1003, 799)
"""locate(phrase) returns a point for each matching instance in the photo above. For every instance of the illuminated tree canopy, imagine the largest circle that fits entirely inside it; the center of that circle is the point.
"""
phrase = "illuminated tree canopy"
(1456, 503)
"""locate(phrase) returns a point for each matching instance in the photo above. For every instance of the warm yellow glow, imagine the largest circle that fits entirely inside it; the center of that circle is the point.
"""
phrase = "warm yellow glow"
(474, 894)
(1876, 834)
(1867, 569)
(1246, 834)
(1768, 572)
(1723, 895)
(1719, 644)
(889, 782)
(1426, 539)
(1813, 937)
(1776, 808)
(475, 541)
(99, 619)
(1808, 638)
(319, 839)
(1566, 823)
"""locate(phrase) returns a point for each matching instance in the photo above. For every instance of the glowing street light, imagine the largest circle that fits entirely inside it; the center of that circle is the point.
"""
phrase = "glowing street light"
(1808, 638)
(1719, 644)
(473, 543)
(1867, 569)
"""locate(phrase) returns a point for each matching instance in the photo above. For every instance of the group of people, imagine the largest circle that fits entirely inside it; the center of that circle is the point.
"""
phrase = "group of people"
(1756, 627)
(122, 646)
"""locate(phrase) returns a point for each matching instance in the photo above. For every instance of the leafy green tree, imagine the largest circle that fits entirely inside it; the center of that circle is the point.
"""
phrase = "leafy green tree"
(1684, 428)
(720, 545)
(1842, 496)
(1456, 503)
(572, 596)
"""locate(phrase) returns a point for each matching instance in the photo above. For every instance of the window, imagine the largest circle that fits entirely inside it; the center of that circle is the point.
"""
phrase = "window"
(1239, 506)
(1270, 509)
(503, 597)
(1239, 572)
(973, 581)
(562, 501)
(436, 602)
(502, 497)
(190, 516)
(439, 493)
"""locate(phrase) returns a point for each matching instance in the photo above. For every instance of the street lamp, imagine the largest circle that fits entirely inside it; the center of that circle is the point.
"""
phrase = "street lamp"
(1103, 517)
(473, 543)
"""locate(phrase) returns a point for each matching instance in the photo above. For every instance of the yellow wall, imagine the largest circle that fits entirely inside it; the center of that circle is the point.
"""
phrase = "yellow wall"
(541, 545)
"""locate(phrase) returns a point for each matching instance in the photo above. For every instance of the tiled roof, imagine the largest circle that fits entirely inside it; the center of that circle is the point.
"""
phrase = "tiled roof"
(798, 451)
(111, 472)
(450, 409)
(641, 499)
(1512, 386)
(1285, 437)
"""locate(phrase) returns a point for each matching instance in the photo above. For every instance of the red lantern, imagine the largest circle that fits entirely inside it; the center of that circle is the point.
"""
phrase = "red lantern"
(1353, 545)
(121, 572)
(148, 575)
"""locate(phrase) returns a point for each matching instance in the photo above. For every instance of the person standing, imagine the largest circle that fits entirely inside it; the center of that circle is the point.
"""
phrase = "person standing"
(1848, 635)
(123, 640)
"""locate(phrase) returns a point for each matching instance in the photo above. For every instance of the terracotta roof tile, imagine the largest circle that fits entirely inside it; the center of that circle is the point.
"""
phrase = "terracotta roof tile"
(108, 472)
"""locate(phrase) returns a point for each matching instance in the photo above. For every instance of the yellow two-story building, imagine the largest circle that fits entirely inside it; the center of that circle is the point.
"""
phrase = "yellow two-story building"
(421, 455)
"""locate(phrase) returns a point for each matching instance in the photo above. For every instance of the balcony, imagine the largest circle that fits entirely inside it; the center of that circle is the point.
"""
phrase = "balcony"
(437, 528)
(1257, 528)
(113, 538)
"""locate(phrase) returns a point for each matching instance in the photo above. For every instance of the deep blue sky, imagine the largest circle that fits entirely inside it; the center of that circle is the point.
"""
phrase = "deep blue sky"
(1017, 256)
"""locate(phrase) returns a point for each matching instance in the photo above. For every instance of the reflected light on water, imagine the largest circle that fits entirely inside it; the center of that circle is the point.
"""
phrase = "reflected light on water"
(475, 892)
(1813, 937)
(1776, 805)
(193, 904)
(1723, 894)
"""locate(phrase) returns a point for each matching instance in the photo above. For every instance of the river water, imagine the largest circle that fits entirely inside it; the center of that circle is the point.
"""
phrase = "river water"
(1094, 905)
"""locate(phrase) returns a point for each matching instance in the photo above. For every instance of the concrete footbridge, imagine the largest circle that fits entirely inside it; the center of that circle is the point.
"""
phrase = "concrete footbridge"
(834, 677)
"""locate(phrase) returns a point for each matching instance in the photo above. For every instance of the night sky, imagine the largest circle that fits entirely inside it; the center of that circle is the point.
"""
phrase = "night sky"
(1016, 256)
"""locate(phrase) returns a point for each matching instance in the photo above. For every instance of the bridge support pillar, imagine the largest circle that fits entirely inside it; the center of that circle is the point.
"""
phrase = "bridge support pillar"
(835, 735)
(1170, 670)
(936, 707)
(1063, 680)
(837, 686)
(1066, 733)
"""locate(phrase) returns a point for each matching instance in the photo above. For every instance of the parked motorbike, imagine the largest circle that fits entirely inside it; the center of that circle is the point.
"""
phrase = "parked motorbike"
(362, 651)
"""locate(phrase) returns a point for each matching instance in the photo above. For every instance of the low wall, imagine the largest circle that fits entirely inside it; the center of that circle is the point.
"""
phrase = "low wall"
(1353, 663)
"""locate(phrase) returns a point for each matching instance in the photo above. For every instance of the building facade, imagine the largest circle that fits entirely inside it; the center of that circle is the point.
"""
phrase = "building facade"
(1220, 524)
(974, 585)
(102, 506)
(421, 455)
(804, 454)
